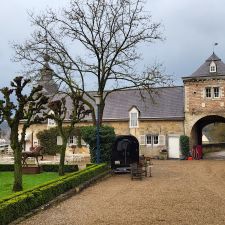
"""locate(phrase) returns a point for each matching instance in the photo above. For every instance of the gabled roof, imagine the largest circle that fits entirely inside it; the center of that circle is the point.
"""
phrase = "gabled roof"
(166, 103)
(204, 71)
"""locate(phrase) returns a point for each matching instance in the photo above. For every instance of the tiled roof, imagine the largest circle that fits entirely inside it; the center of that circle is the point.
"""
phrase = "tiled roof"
(167, 102)
(203, 70)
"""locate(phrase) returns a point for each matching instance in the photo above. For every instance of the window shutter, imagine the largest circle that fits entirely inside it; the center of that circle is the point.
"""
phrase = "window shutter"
(59, 140)
(74, 140)
(142, 140)
(162, 140)
(83, 143)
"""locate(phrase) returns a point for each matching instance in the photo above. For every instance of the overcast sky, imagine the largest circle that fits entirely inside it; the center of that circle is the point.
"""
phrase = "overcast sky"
(189, 26)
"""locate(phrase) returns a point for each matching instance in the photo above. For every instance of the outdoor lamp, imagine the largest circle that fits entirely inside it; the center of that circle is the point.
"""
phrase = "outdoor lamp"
(97, 101)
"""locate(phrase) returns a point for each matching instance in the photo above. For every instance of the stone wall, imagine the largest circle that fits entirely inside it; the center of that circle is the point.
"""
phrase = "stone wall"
(160, 127)
(198, 106)
(153, 127)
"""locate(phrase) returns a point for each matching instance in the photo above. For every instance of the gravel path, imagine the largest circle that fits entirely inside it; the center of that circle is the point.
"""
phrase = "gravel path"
(180, 192)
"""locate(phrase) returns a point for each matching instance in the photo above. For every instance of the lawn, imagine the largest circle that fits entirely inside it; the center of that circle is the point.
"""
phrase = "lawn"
(29, 181)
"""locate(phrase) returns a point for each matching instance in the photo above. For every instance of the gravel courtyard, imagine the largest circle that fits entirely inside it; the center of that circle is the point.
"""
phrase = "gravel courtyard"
(180, 192)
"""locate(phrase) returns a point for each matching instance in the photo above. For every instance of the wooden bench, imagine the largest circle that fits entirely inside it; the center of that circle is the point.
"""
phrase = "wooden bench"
(35, 153)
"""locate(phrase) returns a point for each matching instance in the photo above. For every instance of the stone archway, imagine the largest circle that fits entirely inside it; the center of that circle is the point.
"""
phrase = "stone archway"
(196, 131)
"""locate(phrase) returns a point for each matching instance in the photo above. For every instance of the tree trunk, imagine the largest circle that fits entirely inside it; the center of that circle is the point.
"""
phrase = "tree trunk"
(101, 110)
(62, 158)
(18, 184)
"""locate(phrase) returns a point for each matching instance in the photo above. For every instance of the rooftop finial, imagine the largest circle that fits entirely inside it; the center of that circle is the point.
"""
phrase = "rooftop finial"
(215, 44)
(46, 56)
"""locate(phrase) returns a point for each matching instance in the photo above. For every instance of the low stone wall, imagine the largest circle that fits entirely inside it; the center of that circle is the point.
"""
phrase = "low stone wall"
(214, 147)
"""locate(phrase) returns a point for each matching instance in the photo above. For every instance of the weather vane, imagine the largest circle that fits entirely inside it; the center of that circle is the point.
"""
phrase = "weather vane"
(215, 44)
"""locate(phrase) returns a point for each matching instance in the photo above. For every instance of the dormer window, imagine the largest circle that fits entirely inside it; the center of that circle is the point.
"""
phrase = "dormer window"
(212, 67)
(51, 122)
(134, 113)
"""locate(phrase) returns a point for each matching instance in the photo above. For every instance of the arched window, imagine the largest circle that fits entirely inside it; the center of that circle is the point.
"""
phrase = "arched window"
(212, 67)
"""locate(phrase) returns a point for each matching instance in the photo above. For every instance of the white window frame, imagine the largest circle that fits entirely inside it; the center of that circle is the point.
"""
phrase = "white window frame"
(153, 140)
(51, 122)
(212, 67)
(148, 138)
(212, 92)
(206, 92)
(216, 92)
(134, 123)
(72, 140)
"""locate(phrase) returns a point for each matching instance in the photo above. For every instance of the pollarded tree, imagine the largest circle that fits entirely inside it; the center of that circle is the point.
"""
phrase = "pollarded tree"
(14, 107)
(60, 113)
(109, 33)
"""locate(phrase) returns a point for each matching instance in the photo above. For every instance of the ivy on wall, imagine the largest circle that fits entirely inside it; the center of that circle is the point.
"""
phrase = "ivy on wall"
(48, 139)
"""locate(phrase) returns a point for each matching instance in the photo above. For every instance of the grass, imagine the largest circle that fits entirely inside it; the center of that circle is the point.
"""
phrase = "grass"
(29, 181)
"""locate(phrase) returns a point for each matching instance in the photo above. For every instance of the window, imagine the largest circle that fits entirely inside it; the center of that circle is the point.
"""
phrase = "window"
(72, 140)
(156, 140)
(133, 114)
(212, 67)
(133, 121)
(208, 92)
(152, 139)
(51, 122)
(148, 139)
(213, 92)
(216, 92)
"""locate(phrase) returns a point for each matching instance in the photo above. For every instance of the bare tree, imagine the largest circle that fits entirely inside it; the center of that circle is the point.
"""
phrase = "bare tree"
(109, 32)
(60, 113)
(27, 107)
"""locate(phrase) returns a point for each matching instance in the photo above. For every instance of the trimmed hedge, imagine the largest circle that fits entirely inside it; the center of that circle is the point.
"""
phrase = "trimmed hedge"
(55, 168)
(6, 167)
(23, 202)
(45, 168)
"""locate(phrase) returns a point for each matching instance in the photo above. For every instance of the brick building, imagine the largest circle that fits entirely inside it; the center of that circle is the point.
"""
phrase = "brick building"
(159, 121)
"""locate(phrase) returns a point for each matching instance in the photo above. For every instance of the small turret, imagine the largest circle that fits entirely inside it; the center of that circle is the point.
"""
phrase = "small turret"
(46, 78)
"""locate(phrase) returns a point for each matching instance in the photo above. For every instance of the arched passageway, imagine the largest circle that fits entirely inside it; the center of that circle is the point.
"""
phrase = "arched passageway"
(197, 132)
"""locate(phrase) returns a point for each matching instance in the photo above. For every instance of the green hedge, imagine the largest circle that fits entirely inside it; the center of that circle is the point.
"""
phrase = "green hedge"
(6, 167)
(21, 203)
(45, 168)
(55, 168)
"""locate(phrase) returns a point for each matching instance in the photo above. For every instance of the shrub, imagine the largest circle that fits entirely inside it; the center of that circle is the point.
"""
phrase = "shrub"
(21, 203)
(107, 137)
(55, 168)
(45, 168)
(184, 145)
(6, 167)
(48, 139)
